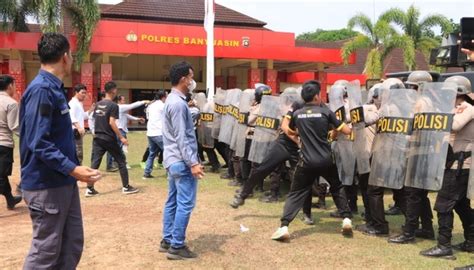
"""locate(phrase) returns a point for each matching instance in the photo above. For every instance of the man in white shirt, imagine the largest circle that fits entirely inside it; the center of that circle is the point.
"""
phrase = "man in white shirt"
(154, 131)
(78, 115)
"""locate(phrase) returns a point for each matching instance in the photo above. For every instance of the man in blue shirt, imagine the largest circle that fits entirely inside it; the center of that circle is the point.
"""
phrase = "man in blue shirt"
(49, 164)
(181, 163)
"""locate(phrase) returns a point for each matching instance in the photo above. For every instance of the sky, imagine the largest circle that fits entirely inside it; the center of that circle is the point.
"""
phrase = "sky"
(299, 16)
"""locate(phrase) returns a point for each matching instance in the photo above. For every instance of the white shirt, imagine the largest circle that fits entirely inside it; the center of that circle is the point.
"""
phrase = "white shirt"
(155, 119)
(124, 117)
(76, 112)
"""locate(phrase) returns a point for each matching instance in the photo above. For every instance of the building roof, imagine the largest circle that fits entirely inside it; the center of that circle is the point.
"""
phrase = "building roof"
(185, 11)
(392, 63)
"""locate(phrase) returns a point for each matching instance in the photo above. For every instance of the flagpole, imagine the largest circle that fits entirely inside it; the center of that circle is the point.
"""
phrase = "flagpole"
(209, 27)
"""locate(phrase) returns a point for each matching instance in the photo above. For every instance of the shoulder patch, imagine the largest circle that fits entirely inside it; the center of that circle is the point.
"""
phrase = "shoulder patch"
(45, 109)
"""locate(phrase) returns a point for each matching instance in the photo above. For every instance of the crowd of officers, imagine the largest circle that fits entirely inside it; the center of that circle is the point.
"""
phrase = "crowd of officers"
(303, 151)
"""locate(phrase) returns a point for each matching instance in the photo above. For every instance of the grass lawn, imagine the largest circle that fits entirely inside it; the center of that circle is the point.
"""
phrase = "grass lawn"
(124, 231)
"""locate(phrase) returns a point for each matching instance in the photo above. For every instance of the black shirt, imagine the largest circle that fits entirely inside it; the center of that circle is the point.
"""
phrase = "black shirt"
(282, 138)
(313, 123)
(102, 113)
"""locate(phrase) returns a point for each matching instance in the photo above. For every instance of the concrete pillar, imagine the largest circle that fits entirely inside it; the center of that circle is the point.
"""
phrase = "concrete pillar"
(87, 78)
(253, 77)
(17, 71)
(270, 77)
(105, 74)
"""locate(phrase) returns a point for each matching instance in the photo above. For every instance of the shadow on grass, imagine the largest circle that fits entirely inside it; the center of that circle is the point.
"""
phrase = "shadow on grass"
(210, 243)
(332, 227)
(18, 211)
(240, 217)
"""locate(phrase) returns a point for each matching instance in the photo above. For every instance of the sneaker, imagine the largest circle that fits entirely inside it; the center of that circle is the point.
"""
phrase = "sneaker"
(347, 227)
(281, 234)
(180, 253)
(307, 220)
(129, 190)
(143, 165)
(128, 167)
(91, 192)
(164, 246)
(147, 176)
(112, 169)
(13, 201)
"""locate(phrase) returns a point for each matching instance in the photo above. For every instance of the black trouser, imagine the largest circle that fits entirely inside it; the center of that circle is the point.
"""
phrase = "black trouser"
(418, 207)
(221, 149)
(211, 155)
(199, 147)
(351, 193)
(6, 165)
(245, 164)
(277, 155)
(146, 154)
(234, 165)
(452, 196)
(363, 186)
(377, 211)
(100, 147)
(302, 185)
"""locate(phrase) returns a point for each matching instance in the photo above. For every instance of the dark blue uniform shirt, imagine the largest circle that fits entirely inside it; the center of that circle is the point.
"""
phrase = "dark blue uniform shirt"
(47, 148)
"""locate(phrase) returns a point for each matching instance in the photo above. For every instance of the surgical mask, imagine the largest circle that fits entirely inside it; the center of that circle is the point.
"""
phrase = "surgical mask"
(192, 86)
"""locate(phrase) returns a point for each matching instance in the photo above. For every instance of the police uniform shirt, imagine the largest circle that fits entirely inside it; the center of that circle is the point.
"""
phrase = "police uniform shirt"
(103, 111)
(313, 123)
(463, 128)
(47, 148)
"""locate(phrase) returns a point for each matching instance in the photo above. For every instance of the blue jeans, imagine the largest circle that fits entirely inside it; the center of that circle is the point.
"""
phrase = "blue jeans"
(182, 187)
(110, 159)
(155, 145)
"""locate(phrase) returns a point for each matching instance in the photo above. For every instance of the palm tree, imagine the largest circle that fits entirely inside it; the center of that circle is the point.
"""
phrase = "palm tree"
(419, 30)
(380, 38)
(83, 14)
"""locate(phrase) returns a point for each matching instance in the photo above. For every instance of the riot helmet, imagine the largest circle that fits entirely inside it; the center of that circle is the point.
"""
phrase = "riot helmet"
(463, 84)
(417, 77)
(260, 90)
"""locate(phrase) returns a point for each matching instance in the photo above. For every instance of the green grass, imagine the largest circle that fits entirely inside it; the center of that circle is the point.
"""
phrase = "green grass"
(123, 232)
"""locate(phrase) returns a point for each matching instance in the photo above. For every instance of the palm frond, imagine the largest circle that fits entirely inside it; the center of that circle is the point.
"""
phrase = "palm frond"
(407, 45)
(363, 22)
(84, 17)
(373, 64)
(359, 42)
(8, 11)
(49, 15)
(436, 20)
(394, 15)
(383, 30)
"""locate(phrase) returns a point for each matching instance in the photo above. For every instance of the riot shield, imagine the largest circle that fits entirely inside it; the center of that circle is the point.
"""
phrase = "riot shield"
(389, 150)
(343, 147)
(227, 120)
(361, 151)
(204, 128)
(470, 186)
(246, 99)
(234, 111)
(219, 111)
(429, 142)
(288, 97)
(266, 128)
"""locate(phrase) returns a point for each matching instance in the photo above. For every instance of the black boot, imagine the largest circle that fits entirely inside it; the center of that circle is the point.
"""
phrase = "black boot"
(403, 238)
(425, 234)
(465, 246)
(439, 252)
(12, 201)
(272, 198)
(238, 201)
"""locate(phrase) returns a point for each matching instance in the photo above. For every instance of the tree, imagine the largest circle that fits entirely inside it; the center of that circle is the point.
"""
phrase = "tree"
(380, 38)
(327, 35)
(420, 31)
(83, 14)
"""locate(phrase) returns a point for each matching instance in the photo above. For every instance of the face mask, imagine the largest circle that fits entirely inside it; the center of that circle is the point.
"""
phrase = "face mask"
(192, 86)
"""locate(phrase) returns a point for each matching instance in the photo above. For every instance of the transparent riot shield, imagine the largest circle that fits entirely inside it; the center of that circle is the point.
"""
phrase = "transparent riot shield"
(206, 116)
(246, 99)
(266, 128)
(219, 111)
(234, 111)
(389, 150)
(361, 151)
(228, 119)
(343, 147)
(470, 186)
(429, 142)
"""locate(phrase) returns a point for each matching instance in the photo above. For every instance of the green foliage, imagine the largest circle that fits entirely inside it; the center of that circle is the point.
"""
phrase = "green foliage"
(327, 35)
(84, 15)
